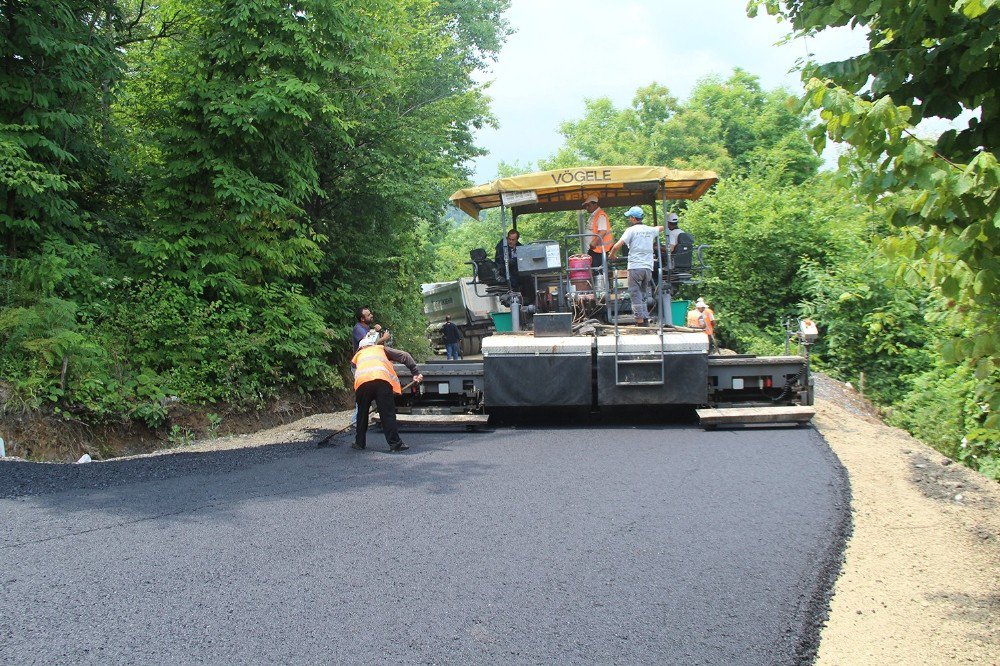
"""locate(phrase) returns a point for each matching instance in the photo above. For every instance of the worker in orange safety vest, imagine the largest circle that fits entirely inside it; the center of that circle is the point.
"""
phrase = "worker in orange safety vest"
(600, 226)
(702, 317)
(375, 379)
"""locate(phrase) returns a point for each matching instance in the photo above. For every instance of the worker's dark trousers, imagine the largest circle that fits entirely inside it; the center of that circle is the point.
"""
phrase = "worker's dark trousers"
(381, 392)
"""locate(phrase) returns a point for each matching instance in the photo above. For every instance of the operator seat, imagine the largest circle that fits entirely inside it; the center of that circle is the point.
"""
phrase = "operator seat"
(683, 258)
(486, 272)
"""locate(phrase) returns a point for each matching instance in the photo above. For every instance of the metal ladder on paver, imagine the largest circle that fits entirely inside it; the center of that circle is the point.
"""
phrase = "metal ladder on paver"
(648, 362)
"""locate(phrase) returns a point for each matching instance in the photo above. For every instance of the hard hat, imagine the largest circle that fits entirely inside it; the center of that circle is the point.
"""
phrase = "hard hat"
(369, 340)
(671, 218)
(700, 303)
(635, 212)
(591, 199)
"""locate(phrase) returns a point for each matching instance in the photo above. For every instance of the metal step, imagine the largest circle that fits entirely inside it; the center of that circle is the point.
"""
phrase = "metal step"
(638, 383)
(714, 416)
(639, 361)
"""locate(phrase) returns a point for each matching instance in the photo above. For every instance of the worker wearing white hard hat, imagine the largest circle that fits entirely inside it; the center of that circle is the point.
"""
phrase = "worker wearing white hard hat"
(375, 380)
(703, 318)
(673, 232)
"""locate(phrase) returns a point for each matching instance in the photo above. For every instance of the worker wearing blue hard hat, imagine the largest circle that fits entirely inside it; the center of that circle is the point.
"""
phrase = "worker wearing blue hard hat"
(640, 240)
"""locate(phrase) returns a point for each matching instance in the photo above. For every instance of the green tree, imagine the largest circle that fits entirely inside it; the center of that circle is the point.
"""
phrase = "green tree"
(239, 95)
(758, 127)
(390, 178)
(199, 192)
(57, 59)
(728, 126)
(934, 59)
(872, 324)
(762, 233)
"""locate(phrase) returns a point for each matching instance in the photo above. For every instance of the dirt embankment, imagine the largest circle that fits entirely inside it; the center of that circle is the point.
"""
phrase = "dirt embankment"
(39, 436)
(921, 577)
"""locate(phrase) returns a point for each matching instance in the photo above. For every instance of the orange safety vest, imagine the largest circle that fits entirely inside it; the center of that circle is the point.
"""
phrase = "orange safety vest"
(371, 363)
(607, 239)
(705, 320)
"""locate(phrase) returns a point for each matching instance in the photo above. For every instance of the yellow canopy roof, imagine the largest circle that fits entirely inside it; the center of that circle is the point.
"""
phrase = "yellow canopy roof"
(565, 189)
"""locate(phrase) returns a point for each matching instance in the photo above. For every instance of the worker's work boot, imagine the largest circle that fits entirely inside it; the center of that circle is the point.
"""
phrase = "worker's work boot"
(357, 447)
(399, 447)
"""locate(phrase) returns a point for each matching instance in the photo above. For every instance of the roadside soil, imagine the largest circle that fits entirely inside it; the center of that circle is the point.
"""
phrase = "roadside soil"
(44, 437)
(920, 582)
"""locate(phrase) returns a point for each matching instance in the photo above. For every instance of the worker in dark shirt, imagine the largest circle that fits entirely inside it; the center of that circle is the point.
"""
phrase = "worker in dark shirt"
(376, 379)
(452, 338)
(510, 250)
(364, 324)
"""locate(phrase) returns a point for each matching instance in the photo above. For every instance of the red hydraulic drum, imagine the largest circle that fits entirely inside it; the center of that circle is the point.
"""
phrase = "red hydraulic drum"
(579, 272)
(579, 267)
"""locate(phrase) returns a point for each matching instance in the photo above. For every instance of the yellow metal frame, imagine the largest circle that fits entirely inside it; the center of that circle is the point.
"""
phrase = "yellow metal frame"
(565, 189)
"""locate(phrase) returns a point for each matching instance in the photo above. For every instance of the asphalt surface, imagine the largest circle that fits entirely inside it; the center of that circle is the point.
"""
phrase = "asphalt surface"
(612, 544)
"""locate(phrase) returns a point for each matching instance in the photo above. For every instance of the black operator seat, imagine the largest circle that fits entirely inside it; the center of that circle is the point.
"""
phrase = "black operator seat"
(487, 273)
(683, 258)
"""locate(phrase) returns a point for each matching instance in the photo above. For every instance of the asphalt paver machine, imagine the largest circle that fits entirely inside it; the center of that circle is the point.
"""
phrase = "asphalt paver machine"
(571, 342)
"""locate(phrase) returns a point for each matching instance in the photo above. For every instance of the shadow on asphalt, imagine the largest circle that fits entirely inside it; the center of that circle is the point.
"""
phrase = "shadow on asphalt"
(293, 468)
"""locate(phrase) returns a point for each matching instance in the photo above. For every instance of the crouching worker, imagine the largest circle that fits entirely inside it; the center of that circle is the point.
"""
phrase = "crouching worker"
(375, 379)
(702, 317)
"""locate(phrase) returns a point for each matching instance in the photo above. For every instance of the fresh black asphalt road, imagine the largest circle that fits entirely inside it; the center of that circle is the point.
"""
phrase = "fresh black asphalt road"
(655, 544)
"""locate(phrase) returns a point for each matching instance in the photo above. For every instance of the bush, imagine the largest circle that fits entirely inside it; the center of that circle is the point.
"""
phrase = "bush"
(222, 350)
(943, 411)
(761, 232)
(122, 349)
(870, 323)
(51, 359)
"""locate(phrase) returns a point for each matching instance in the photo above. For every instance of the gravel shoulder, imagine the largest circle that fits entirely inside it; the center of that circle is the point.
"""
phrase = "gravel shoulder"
(315, 426)
(921, 577)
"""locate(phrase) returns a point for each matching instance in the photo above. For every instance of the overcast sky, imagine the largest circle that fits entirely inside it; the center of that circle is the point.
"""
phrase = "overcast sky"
(565, 51)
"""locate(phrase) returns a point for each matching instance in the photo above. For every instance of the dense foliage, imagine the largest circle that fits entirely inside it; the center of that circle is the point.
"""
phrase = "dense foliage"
(936, 59)
(728, 126)
(195, 195)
